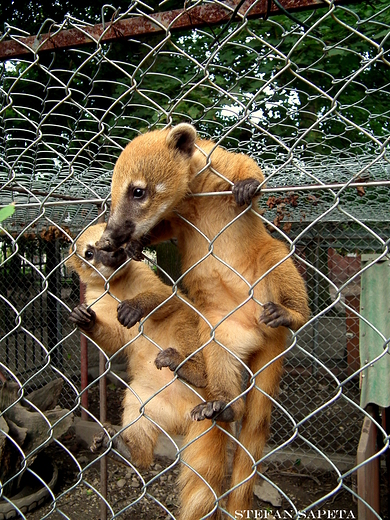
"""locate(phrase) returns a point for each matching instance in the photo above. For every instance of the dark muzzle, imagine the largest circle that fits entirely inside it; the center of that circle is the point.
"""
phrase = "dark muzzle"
(115, 236)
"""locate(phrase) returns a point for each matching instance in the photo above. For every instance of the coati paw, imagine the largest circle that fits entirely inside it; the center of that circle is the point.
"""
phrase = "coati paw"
(100, 440)
(274, 315)
(128, 315)
(245, 190)
(188, 372)
(169, 357)
(134, 250)
(83, 317)
(212, 410)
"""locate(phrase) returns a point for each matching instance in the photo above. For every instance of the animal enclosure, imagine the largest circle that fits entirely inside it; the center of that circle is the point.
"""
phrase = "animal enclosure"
(303, 88)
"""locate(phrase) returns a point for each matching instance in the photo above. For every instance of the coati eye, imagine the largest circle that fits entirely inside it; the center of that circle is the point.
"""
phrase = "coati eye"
(139, 193)
(88, 255)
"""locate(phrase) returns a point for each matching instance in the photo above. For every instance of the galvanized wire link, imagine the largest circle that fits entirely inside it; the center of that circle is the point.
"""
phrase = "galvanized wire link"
(307, 96)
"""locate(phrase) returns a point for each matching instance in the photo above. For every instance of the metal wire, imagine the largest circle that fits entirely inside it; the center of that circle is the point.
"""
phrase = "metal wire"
(307, 96)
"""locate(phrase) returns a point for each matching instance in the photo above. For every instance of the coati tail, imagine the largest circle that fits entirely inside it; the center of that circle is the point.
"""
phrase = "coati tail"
(203, 470)
(255, 427)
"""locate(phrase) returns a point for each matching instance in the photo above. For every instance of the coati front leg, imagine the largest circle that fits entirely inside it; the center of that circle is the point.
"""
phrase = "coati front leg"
(83, 317)
(192, 370)
(134, 248)
(245, 190)
(277, 315)
(133, 310)
(224, 379)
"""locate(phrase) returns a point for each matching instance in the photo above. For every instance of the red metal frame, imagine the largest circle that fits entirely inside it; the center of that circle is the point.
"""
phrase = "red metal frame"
(83, 364)
(141, 24)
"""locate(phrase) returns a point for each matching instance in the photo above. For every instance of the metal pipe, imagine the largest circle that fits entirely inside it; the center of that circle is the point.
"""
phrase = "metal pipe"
(272, 189)
(316, 308)
(305, 187)
(140, 24)
(83, 363)
(103, 419)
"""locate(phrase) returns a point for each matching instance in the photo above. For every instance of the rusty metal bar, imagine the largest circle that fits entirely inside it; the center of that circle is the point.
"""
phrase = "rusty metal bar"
(39, 193)
(139, 24)
(302, 187)
(83, 364)
(272, 189)
(103, 420)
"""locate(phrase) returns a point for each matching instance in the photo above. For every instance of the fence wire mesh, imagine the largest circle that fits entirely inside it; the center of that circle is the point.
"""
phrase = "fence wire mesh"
(302, 88)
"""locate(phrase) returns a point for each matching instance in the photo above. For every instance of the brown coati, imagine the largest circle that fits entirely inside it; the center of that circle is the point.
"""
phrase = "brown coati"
(173, 327)
(242, 280)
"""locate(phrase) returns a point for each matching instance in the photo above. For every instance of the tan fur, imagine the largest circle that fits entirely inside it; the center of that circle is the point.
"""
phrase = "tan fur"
(236, 272)
(173, 325)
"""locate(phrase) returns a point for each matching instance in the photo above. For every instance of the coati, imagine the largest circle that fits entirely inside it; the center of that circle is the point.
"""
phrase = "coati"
(241, 279)
(173, 326)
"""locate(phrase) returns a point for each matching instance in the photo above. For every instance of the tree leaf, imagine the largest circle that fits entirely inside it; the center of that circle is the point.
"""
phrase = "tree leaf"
(7, 212)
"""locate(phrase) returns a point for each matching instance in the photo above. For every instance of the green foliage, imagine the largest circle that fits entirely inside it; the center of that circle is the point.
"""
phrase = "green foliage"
(6, 212)
(271, 84)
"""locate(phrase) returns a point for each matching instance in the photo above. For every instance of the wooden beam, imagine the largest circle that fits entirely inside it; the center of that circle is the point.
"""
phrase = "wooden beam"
(368, 474)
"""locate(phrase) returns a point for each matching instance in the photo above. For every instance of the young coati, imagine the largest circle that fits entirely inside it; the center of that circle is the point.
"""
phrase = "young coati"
(242, 280)
(173, 326)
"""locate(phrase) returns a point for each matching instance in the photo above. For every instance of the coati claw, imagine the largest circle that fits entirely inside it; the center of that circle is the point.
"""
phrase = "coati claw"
(172, 358)
(128, 315)
(245, 190)
(100, 440)
(212, 410)
(274, 315)
(169, 357)
(134, 250)
(83, 317)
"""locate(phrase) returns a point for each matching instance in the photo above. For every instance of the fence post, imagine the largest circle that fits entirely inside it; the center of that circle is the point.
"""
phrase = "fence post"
(103, 416)
(368, 474)
(54, 325)
(352, 334)
(103, 419)
(83, 363)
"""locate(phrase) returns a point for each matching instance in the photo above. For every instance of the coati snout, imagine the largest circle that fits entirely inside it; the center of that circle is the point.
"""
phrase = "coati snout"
(115, 236)
(151, 176)
(88, 253)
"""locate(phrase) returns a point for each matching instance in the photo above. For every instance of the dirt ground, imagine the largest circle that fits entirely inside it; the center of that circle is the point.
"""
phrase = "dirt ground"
(126, 493)
(152, 494)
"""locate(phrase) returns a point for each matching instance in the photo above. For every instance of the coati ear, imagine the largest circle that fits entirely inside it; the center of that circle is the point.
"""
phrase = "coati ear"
(182, 138)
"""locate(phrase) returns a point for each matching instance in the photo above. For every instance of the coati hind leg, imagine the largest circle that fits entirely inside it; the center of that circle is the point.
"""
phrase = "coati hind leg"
(139, 433)
(154, 404)
(224, 376)
(255, 424)
(225, 358)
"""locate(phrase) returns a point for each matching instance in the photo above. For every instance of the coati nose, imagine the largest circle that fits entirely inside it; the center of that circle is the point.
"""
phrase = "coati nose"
(114, 236)
(105, 244)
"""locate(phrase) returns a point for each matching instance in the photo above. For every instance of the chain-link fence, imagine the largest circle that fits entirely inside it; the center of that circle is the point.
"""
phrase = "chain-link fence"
(303, 88)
